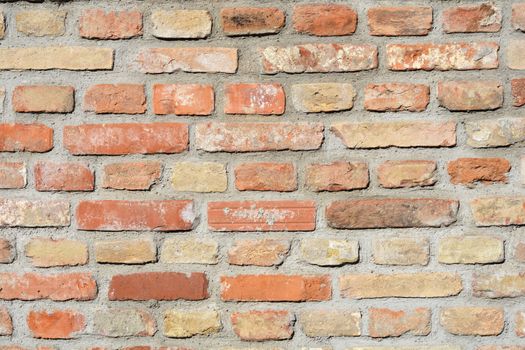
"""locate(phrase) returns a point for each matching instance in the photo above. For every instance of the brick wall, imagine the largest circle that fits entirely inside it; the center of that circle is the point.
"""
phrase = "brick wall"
(262, 175)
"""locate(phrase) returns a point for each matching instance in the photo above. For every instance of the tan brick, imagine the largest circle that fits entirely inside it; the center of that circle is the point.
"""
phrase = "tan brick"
(181, 24)
(396, 97)
(13, 175)
(41, 22)
(498, 285)
(187, 323)
(470, 250)
(96, 23)
(520, 324)
(44, 98)
(7, 251)
(129, 251)
(45, 252)
(131, 175)
(516, 54)
(267, 176)
(477, 95)
(38, 213)
(337, 176)
(2, 25)
(498, 211)
(385, 322)
(473, 320)
(330, 323)
(199, 177)
(407, 173)
(495, 132)
(252, 20)
(119, 322)
(409, 347)
(518, 16)
(264, 252)
(263, 325)
(189, 251)
(400, 251)
(329, 252)
(323, 97)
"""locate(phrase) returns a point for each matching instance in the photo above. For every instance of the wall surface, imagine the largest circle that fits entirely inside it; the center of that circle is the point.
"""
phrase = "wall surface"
(262, 175)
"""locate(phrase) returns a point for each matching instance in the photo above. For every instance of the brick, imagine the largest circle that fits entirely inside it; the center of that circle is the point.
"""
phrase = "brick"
(280, 177)
(2, 26)
(187, 59)
(128, 251)
(256, 325)
(2, 89)
(472, 320)
(400, 21)
(482, 18)
(263, 252)
(318, 58)
(276, 288)
(52, 176)
(519, 251)
(199, 177)
(515, 49)
(56, 57)
(125, 138)
(252, 20)
(478, 95)
(384, 322)
(44, 98)
(400, 285)
(57, 287)
(283, 215)
(177, 250)
(468, 171)
(396, 97)
(256, 137)
(407, 173)
(99, 24)
(6, 324)
(470, 250)
(115, 98)
(502, 347)
(330, 323)
(181, 24)
(18, 212)
(391, 213)
(7, 251)
(159, 286)
(498, 211)
(323, 97)
(263, 99)
(337, 176)
(495, 132)
(450, 56)
(520, 324)
(518, 16)
(13, 175)
(46, 252)
(183, 99)
(401, 251)
(324, 19)
(120, 322)
(498, 285)
(518, 92)
(41, 22)
(329, 252)
(188, 323)
(25, 138)
(122, 215)
(131, 175)
(55, 324)
(396, 134)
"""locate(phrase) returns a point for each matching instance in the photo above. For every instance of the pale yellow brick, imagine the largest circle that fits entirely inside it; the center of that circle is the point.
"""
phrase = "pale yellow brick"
(125, 251)
(45, 252)
(181, 24)
(329, 252)
(41, 22)
(400, 251)
(199, 177)
(323, 97)
(187, 323)
(189, 251)
(470, 250)
(331, 323)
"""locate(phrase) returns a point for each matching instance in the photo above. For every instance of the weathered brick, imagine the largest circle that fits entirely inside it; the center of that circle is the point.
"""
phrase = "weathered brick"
(199, 177)
(400, 251)
(126, 138)
(123, 215)
(518, 16)
(176, 250)
(470, 250)
(400, 21)
(495, 132)
(41, 22)
(318, 58)
(187, 59)
(159, 286)
(407, 173)
(280, 177)
(468, 171)
(7, 251)
(330, 323)
(129, 251)
(391, 212)
(498, 211)
(263, 325)
(498, 285)
(518, 91)
(276, 288)
(396, 97)
(252, 20)
(52, 176)
(6, 324)
(131, 175)
(283, 215)
(99, 24)
(519, 251)
(255, 137)
(329, 252)
(323, 97)
(13, 175)
(44, 98)
(482, 18)
(515, 54)
(337, 176)
(25, 138)
(18, 212)
(520, 323)
(183, 99)
(263, 99)
(264, 252)
(472, 320)
(119, 322)
(396, 134)
(478, 95)
(2, 25)
(324, 19)
(115, 98)
(56, 324)
(187, 323)
(385, 322)
(45, 252)
(401, 285)
(450, 56)
(181, 24)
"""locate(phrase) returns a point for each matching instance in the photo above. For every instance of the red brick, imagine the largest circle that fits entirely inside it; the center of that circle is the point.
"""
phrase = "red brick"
(99, 24)
(280, 177)
(115, 98)
(183, 99)
(56, 324)
(470, 95)
(518, 91)
(57, 287)
(391, 212)
(400, 21)
(262, 216)
(51, 176)
(324, 19)
(254, 137)
(252, 20)
(276, 288)
(484, 18)
(126, 138)
(159, 286)
(263, 325)
(468, 171)
(407, 173)
(7, 251)
(337, 176)
(6, 324)
(518, 16)
(12, 175)
(44, 98)
(25, 138)
(121, 215)
(396, 97)
(385, 322)
(261, 99)
(131, 175)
